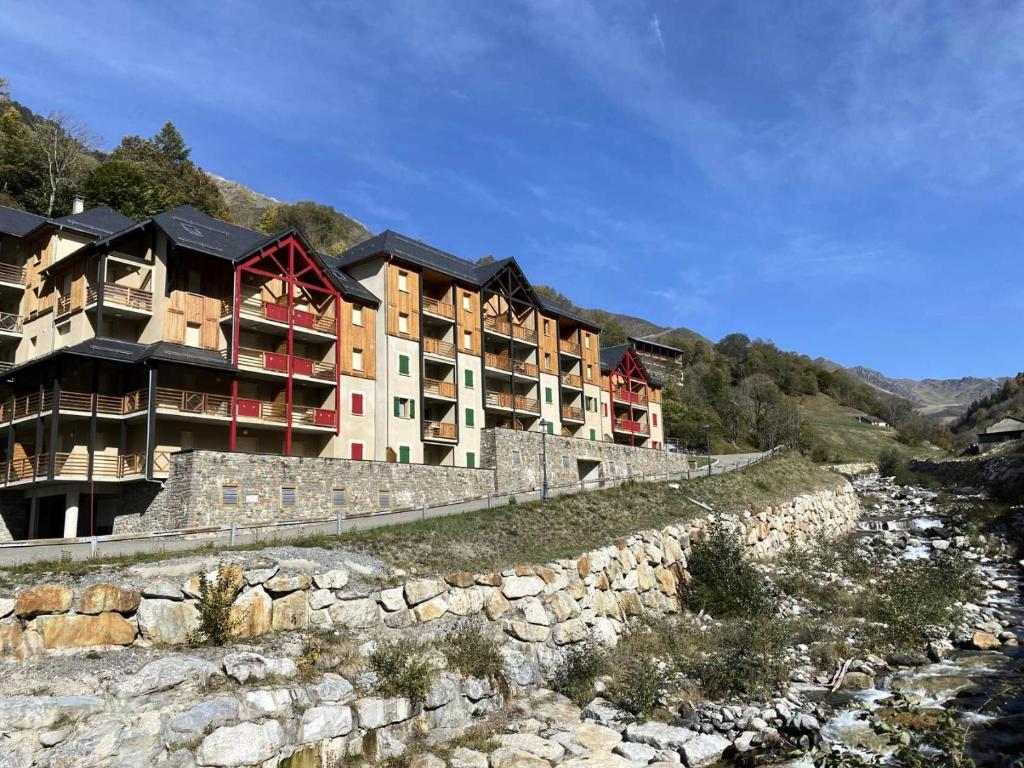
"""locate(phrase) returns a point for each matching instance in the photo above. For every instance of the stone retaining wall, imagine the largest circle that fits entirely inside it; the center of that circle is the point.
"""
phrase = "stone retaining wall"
(980, 472)
(541, 607)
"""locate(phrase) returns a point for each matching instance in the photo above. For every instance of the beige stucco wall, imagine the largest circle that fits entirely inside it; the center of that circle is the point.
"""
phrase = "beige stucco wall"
(550, 411)
(359, 429)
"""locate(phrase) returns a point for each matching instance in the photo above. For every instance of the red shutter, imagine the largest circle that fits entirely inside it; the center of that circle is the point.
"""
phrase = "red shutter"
(357, 451)
(357, 404)
(654, 417)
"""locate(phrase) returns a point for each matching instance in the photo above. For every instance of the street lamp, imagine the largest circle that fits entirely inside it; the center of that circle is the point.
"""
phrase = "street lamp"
(707, 438)
(544, 457)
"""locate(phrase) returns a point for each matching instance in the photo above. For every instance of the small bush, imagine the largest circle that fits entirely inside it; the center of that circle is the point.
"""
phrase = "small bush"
(402, 669)
(748, 658)
(474, 652)
(725, 583)
(579, 669)
(215, 599)
(637, 685)
(889, 462)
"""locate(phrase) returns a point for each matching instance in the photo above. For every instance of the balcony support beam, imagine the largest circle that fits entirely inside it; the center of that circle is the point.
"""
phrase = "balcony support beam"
(150, 423)
(288, 393)
(54, 428)
(101, 289)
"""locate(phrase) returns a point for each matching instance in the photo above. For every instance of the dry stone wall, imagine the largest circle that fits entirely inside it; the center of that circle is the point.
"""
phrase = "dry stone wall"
(539, 606)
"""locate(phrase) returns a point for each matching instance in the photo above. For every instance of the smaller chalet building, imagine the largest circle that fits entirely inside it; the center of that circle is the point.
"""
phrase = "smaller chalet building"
(1003, 431)
(630, 399)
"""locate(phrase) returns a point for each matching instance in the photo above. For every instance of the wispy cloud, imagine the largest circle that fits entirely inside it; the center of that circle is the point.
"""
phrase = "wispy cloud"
(656, 33)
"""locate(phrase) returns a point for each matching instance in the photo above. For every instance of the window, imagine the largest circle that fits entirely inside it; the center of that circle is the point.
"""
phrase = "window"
(357, 315)
(357, 359)
(517, 459)
(590, 372)
(467, 303)
(547, 327)
(229, 495)
(586, 342)
(604, 409)
(403, 282)
(566, 462)
(339, 497)
(548, 395)
(357, 403)
(551, 427)
(547, 361)
(470, 459)
(287, 495)
(403, 322)
(403, 454)
(355, 451)
(588, 403)
(593, 434)
(468, 374)
(405, 408)
(469, 417)
(403, 365)
(193, 334)
(654, 419)
(383, 498)
(467, 340)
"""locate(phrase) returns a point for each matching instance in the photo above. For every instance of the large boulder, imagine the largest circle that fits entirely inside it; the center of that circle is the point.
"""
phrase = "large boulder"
(164, 674)
(46, 598)
(355, 614)
(290, 612)
(104, 598)
(85, 631)
(705, 749)
(246, 666)
(242, 744)
(167, 621)
(324, 722)
(516, 587)
(421, 590)
(200, 719)
(34, 712)
(659, 735)
(250, 616)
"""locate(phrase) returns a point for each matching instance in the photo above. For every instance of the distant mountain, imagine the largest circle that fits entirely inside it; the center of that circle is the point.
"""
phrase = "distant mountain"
(945, 399)
(245, 206)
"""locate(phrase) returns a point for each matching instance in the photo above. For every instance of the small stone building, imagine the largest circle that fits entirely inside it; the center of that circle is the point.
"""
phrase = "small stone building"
(1003, 431)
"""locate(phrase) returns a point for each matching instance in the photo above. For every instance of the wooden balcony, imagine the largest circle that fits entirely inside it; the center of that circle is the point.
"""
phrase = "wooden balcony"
(629, 396)
(280, 364)
(631, 427)
(440, 430)
(505, 401)
(12, 275)
(254, 308)
(439, 308)
(10, 324)
(438, 348)
(190, 403)
(71, 401)
(569, 347)
(501, 325)
(441, 389)
(571, 413)
(134, 300)
(105, 466)
(207, 405)
(571, 380)
(505, 363)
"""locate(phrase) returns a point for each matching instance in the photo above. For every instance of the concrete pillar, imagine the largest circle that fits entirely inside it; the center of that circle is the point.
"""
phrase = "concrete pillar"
(33, 521)
(70, 514)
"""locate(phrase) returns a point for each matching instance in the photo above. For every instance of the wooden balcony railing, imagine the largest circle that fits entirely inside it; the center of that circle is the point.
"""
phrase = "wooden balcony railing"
(569, 347)
(506, 400)
(122, 296)
(63, 306)
(438, 347)
(26, 468)
(628, 396)
(104, 466)
(278, 362)
(253, 306)
(314, 417)
(11, 273)
(439, 430)
(572, 380)
(636, 427)
(501, 325)
(439, 388)
(571, 413)
(5, 366)
(439, 307)
(70, 400)
(10, 323)
(196, 403)
(504, 363)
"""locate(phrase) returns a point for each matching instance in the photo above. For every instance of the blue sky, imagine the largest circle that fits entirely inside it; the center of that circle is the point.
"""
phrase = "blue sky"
(843, 178)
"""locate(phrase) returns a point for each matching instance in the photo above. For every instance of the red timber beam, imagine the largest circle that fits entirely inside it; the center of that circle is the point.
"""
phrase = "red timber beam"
(291, 270)
(630, 370)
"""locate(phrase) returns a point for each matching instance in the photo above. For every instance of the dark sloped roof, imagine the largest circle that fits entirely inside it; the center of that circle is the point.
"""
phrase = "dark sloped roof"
(554, 308)
(128, 352)
(18, 223)
(413, 251)
(349, 286)
(653, 343)
(612, 356)
(189, 227)
(100, 221)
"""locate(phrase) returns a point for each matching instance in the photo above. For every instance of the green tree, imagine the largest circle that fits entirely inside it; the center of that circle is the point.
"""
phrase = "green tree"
(171, 143)
(326, 229)
(124, 186)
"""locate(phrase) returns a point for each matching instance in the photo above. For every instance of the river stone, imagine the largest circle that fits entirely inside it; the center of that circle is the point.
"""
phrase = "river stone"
(659, 735)
(104, 598)
(432, 609)
(243, 744)
(858, 681)
(252, 666)
(250, 616)
(336, 578)
(984, 641)
(46, 598)
(421, 590)
(166, 673)
(290, 612)
(503, 757)
(161, 588)
(464, 757)
(166, 621)
(704, 750)
(34, 712)
(12, 641)
(284, 583)
(191, 723)
(533, 744)
(85, 631)
(324, 722)
(516, 587)
(636, 753)
(355, 614)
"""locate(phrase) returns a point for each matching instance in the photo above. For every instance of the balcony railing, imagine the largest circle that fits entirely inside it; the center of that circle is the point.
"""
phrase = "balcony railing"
(11, 273)
(63, 306)
(10, 323)
(504, 363)
(628, 396)
(276, 313)
(438, 347)
(436, 388)
(70, 400)
(571, 413)
(439, 430)
(194, 403)
(517, 402)
(439, 307)
(569, 347)
(635, 427)
(277, 362)
(122, 296)
(501, 325)
(572, 380)
(104, 466)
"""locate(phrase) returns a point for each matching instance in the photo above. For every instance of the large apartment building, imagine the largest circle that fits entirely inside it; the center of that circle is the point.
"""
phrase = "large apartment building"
(123, 343)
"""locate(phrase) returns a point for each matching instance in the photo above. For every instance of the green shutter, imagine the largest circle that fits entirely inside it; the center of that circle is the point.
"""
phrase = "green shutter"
(593, 436)
(403, 454)
(547, 394)
(469, 417)
(469, 379)
(412, 409)
(398, 407)
(403, 365)
(471, 460)
(551, 427)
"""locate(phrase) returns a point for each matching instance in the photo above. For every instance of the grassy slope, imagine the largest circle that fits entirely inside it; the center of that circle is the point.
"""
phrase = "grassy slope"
(570, 525)
(847, 438)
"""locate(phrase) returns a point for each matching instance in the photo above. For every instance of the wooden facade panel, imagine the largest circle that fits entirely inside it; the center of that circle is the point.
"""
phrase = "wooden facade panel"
(468, 316)
(547, 338)
(405, 302)
(362, 337)
(184, 309)
(591, 356)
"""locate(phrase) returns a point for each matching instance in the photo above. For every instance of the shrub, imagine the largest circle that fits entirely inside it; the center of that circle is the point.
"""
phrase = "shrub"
(748, 658)
(889, 462)
(215, 599)
(579, 669)
(637, 685)
(725, 583)
(402, 669)
(474, 652)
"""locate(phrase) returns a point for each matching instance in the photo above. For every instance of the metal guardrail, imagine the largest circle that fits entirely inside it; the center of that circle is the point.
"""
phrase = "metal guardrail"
(240, 535)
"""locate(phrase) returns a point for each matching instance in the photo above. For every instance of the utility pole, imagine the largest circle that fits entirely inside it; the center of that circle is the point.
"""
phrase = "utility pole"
(544, 458)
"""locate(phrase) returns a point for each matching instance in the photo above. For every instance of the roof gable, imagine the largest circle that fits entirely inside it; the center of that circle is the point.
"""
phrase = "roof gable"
(614, 357)
(100, 221)
(1006, 424)
(18, 223)
(188, 227)
(414, 251)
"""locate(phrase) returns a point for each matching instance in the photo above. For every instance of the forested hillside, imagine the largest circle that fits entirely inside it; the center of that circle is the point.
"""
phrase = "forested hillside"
(1008, 400)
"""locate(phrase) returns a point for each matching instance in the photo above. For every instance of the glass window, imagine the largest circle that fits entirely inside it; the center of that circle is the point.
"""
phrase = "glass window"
(403, 282)
(403, 322)
(357, 359)
(357, 315)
